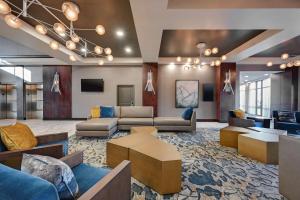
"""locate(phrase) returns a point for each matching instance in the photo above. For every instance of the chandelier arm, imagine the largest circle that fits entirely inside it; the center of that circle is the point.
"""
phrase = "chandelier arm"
(49, 11)
(27, 6)
(49, 7)
(13, 5)
(84, 29)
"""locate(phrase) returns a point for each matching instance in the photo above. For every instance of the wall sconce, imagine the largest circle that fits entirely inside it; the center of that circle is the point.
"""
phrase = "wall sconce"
(55, 85)
(228, 87)
(149, 86)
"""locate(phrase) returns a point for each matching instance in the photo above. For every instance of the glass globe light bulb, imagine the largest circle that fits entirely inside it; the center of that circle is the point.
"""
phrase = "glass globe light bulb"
(212, 64)
(290, 64)
(217, 62)
(72, 58)
(54, 45)
(70, 10)
(98, 50)
(101, 62)
(215, 50)
(75, 38)
(12, 21)
(4, 8)
(269, 64)
(110, 58)
(284, 56)
(297, 63)
(41, 29)
(100, 29)
(71, 45)
(107, 51)
(178, 59)
(223, 58)
(282, 66)
(59, 28)
(207, 52)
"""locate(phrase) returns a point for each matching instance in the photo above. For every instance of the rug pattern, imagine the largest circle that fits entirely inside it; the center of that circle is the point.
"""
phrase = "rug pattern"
(209, 171)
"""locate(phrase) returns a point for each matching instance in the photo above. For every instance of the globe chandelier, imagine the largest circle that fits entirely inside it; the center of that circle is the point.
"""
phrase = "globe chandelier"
(286, 62)
(200, 62)
(67, 34)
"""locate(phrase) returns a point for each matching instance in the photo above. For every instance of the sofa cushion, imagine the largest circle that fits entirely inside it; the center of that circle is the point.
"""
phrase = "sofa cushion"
(136, 112)
(53, 170)
(171, 121)
(18, 136)
(136, 121)
(88, 176)
(187, 114)
(107, 111)
(100, 124)
(285, 116)
(21, 185)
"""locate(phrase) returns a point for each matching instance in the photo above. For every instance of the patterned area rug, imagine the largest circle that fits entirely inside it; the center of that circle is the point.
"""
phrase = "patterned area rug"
(209, 171)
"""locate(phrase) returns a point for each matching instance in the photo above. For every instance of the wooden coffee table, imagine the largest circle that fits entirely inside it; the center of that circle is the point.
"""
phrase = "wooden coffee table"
(259, 146)
(144, 130)
(229, 135)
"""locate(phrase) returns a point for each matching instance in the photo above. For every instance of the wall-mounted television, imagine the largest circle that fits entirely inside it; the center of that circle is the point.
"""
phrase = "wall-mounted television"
(92, 85)
(208, 92)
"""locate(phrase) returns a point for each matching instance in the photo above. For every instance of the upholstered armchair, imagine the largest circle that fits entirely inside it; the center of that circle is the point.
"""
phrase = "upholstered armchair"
(54, 145)
(94, 183)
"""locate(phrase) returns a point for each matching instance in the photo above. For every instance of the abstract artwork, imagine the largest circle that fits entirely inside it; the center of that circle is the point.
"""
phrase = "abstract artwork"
(187, 94)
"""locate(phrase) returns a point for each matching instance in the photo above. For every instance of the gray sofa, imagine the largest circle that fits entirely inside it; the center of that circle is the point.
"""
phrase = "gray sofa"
(289, 167)
(128, 116)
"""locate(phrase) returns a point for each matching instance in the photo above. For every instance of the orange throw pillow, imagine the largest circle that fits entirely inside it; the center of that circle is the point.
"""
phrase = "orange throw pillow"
(240, 114)
(17, 137)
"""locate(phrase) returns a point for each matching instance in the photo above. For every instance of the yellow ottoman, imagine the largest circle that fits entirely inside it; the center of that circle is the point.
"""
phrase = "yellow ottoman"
(157, 165)
(229, 135)
(259, 146)
(144, 129)
(117, 150)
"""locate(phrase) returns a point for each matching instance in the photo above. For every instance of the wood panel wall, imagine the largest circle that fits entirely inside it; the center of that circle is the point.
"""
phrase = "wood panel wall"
(57, 106)
(224, 101)
(149, 99)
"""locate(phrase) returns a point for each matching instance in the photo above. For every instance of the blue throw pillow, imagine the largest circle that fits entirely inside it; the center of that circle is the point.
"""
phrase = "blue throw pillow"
(187, 114)
(53, 170)
(107, 111)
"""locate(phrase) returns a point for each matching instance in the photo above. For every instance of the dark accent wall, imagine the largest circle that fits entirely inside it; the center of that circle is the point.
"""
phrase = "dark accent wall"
(224, 101)
(149, 99)
(57, 106)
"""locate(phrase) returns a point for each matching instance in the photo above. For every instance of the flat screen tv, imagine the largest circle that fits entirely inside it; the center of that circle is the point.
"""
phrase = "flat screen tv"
(92, 85)
(208, 92)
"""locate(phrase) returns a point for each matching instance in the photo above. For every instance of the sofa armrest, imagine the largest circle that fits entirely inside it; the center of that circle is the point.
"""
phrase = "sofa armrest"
(194, 121)
(289, 167)
(14, 158)
(73, 159)
(115, 185)
(50, 138)
(244, 123)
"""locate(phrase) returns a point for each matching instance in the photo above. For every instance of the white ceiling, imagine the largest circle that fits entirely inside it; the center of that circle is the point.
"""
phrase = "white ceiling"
(249, 76)
(151, 17)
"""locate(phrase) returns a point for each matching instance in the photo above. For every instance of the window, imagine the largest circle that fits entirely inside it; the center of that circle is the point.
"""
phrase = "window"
(255, 97)
(19, 72)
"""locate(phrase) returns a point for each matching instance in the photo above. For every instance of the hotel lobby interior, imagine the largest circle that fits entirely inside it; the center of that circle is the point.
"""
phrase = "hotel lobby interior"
(149, 99)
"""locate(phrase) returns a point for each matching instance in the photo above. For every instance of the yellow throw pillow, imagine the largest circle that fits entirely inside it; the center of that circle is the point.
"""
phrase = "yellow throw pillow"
(95, 112)
(17, 137)
(240, 114)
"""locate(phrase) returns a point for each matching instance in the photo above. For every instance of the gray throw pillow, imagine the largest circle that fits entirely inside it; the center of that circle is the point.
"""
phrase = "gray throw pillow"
(53, 170)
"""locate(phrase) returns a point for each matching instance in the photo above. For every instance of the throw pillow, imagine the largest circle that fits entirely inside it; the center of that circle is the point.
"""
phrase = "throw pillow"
(54, 171)
(240, 113)
(95, 112)
(17, 137)
(107, 111)
(187, 114)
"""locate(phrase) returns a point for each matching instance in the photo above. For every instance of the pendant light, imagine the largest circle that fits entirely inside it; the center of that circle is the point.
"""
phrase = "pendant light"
(98, 50)
(71, 45)
(100, 29)
(41, 29)
(107, 51)
(59, 28)
(110, 58)
(54, 45)
(70, 10)
(4, 8)
(12, 21)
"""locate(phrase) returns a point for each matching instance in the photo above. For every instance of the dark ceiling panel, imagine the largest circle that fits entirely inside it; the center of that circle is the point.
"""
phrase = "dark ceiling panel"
(291, 47)
(183, 42)
(112, 14)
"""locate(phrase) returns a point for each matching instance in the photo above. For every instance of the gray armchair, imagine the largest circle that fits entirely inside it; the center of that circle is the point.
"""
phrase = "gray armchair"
(289, 167)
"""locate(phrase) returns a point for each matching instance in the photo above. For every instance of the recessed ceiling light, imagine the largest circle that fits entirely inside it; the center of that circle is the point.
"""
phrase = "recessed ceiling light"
(120, 33)
(246, 76)
(128, 50)
(266, 74)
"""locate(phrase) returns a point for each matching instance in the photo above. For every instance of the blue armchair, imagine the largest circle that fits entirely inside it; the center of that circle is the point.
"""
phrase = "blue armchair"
(289, 121)
(94, 183)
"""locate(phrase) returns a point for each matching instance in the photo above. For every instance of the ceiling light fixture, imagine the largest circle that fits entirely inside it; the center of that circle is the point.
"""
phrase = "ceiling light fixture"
(297, 63)
(207, 52)
(41, 29)
(59, 28)
(12, 21)
(178, 59)
(107, 51)
(120, 33)
(128, 50)
(4, 8)
(282, 66)
(223, 58)
(215, 50)
(290, 64)
(54, 45)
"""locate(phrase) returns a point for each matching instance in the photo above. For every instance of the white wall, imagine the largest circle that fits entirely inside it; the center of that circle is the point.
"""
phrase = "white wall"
(167, 76)
(113, 76)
